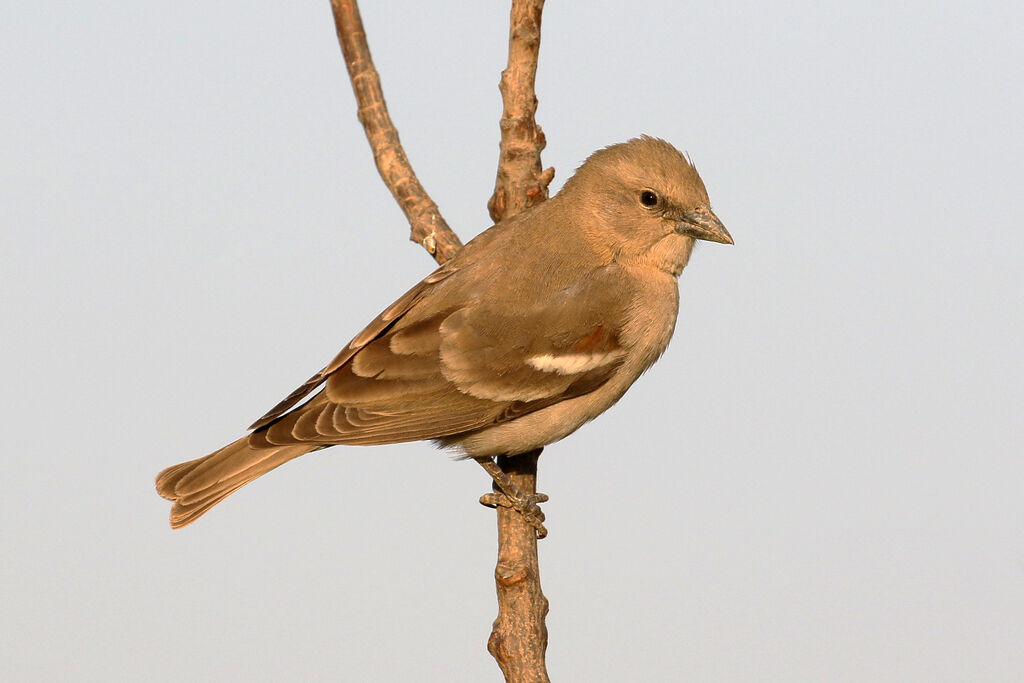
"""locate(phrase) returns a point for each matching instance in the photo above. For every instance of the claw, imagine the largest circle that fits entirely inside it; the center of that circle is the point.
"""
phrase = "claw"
(526, 506)
(507, 494)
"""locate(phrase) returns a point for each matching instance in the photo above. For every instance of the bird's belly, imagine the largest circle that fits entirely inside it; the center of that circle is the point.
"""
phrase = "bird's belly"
(542, 427)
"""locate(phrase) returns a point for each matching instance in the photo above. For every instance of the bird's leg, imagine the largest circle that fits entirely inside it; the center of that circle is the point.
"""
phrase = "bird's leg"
(510, 495)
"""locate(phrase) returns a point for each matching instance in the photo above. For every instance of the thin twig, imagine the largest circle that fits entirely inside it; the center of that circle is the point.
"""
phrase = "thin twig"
(428, 227)
(520, 182)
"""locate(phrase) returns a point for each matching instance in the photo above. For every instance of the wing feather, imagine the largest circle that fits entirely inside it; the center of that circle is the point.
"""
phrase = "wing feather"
(379, 325)
(433, 371)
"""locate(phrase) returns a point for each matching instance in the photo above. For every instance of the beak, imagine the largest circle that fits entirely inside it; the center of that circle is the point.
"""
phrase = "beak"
(703, 224)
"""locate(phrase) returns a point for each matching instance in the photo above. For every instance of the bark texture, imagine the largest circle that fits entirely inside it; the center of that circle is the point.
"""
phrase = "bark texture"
(519, 637)
(520, 183)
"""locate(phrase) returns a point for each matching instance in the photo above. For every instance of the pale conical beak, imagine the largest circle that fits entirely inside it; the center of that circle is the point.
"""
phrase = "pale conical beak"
(703, 224)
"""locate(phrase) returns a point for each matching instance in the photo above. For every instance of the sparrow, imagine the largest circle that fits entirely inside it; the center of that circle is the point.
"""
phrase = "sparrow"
(537, 326)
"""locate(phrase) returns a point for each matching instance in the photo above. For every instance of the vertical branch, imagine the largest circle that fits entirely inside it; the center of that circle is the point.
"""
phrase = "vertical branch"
(520, 182)
(428, 227)
(519, 637)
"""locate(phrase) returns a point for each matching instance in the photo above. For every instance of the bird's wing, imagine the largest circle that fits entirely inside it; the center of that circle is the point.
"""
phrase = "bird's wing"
(379, 325)
(412, 376)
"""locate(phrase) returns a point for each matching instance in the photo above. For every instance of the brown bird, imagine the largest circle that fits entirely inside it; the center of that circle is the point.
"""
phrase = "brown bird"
(536, 326)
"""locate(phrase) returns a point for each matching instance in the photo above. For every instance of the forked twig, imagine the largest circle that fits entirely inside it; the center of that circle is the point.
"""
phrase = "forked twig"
(518, 638)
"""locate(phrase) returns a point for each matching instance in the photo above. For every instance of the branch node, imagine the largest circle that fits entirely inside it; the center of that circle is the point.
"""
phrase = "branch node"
(508, 575)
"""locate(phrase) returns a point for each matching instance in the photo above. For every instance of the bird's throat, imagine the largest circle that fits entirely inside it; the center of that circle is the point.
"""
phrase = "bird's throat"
(670, 254)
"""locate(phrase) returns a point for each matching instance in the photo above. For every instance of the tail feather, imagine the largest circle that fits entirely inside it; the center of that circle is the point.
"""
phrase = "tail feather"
(197, 485)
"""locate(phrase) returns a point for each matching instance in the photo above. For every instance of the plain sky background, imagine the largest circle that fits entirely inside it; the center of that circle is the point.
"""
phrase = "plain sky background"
(821, 480)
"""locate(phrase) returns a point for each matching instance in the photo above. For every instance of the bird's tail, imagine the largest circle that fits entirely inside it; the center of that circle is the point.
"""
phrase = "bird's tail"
(197, 485)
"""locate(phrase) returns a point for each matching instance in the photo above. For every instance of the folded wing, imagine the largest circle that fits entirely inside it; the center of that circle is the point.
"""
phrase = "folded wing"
(425, 370)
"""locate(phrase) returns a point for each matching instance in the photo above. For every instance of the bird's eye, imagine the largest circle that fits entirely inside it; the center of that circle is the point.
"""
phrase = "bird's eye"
(648, 198)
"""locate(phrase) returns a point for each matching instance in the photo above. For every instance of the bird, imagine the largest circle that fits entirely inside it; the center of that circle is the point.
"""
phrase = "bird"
(535, 327)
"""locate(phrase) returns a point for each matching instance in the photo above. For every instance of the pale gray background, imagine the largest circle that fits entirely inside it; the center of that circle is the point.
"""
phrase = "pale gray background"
(821, 480)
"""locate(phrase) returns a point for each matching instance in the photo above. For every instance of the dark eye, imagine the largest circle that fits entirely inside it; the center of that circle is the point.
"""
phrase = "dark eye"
(648, 198)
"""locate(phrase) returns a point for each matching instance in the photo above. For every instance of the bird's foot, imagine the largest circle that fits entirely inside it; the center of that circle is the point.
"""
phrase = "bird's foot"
(526, 505)
(507, 494)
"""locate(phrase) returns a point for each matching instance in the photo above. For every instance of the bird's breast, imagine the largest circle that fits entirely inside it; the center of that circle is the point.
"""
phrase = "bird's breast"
(650, 318)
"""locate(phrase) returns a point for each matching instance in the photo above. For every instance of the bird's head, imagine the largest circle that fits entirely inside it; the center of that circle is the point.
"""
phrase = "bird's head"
(647, 202)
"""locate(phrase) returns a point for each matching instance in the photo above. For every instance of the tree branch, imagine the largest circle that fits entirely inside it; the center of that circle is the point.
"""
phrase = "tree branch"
(428, 227)
(519, 637)
(520, 182)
